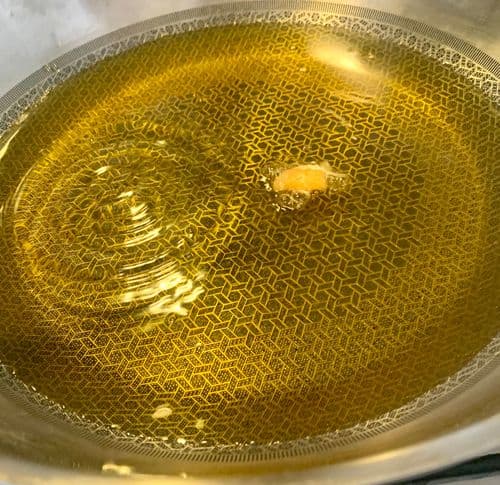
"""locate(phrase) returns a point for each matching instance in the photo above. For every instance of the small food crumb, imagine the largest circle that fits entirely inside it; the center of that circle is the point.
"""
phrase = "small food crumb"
(162, 411)
(302, 178)
(200, 424)
(181, 441)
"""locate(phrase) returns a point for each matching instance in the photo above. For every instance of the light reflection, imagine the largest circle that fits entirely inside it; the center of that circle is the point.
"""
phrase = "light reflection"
(340, 56)
(120, 251)
(167, 289)
(5, 147)
(102, 170)
(363, 81)
(200, 424)
(120, 470)
(162, 411)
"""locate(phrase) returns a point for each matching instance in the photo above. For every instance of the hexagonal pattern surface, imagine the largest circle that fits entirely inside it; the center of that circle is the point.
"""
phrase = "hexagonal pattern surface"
(151, 283)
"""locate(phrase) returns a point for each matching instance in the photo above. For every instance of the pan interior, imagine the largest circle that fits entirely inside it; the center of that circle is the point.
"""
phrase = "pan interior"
(151, 282)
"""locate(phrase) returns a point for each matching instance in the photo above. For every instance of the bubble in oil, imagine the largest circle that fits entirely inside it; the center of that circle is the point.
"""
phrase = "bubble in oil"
(162, 411)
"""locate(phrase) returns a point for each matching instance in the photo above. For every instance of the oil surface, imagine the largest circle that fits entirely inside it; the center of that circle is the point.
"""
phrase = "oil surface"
(152, 281)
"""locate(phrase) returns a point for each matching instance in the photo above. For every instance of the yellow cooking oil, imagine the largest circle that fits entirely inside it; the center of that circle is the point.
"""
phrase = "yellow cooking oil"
(165, 273)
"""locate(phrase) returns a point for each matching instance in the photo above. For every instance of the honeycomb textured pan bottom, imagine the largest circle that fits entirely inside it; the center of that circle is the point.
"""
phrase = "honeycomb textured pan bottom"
(153, 284)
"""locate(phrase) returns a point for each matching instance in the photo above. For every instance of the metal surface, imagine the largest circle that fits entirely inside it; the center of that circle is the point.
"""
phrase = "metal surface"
(35, 33)
(483, 79)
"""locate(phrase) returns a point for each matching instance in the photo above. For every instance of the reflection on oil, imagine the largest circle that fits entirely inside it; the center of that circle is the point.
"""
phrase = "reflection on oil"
(114, 469)
(363, 82)
(5, 144)
(99, 239)
(162, 411)
(340, 56)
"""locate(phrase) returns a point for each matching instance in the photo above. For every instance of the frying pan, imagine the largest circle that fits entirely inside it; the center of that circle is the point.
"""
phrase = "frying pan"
(348, 333)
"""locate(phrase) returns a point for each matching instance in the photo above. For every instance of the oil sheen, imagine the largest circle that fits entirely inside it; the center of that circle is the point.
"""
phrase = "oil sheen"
(152, 280)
